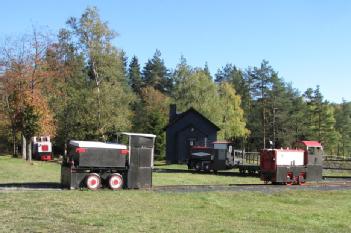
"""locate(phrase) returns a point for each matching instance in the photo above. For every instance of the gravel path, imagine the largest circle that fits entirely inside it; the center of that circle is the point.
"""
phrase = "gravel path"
(323, 186)
(264, 188)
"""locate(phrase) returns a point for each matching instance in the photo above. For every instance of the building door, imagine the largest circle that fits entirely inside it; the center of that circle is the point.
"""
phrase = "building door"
(190, 142)
(185, 139)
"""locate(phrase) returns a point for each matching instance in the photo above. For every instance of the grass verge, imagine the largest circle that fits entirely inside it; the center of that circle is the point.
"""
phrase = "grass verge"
(146, 211)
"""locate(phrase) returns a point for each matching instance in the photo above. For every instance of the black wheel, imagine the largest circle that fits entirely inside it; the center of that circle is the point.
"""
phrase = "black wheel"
(207, 167)
(198, 167)
(93, 181)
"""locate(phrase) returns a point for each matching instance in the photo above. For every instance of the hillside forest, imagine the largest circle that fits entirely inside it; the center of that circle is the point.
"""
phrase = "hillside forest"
(79, 85)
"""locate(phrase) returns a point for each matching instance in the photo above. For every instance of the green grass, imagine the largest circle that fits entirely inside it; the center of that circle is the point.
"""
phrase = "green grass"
(148, 211)
(15, 170)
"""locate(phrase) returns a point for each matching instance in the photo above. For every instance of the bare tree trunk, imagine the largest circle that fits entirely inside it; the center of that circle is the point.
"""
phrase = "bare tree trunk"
(29, 150)
(24, 149)
(264, 128)
(98, 81)
(99, 107)
(14, 142)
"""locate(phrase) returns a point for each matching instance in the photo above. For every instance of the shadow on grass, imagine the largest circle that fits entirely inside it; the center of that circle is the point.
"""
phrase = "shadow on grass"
(32, 185)
(337, 177)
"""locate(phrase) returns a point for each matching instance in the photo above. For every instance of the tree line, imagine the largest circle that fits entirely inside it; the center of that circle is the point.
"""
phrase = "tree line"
(78, 85)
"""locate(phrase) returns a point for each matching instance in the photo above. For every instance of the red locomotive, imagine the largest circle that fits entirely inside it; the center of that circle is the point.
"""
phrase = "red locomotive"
(292, 166)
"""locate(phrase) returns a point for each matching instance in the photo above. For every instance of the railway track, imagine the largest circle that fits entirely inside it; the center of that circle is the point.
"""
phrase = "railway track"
(328, 183)
(265, 188)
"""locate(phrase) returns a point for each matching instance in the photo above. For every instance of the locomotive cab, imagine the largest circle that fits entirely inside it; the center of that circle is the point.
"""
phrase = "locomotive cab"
(223, 156)
(313, 159)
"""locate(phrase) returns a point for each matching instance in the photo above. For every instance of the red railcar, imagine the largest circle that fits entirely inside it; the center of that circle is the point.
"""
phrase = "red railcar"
(292, 166)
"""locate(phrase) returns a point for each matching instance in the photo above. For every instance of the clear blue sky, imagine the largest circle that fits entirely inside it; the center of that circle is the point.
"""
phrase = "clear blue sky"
(307, 42)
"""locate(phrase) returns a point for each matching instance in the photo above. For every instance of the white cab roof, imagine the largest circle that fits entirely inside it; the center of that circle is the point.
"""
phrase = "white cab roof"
(93, 144)
(139, 134)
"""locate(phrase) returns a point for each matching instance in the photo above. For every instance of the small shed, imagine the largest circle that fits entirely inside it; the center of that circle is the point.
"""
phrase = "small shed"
(187, 129)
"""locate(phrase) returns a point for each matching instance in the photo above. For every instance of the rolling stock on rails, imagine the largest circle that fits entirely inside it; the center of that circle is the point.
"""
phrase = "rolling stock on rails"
(222, 156)
(97, 164)
(285, 166)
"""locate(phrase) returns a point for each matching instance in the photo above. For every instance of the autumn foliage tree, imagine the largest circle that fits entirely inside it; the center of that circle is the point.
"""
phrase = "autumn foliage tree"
(24, 71)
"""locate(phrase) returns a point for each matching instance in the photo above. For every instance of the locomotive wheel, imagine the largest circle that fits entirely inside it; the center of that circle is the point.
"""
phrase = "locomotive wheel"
(301, 180)
(93, 181)
(198, 167)
(115, 181)
(207, 167)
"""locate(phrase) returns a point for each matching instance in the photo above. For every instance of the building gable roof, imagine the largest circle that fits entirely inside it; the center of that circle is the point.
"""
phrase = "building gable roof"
(180, 116)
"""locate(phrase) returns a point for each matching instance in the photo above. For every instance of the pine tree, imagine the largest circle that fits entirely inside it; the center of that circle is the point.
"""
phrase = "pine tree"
(260, 83)
(156, 75)
(134, 75)
(343, 126)
(182, 71)
(320, 122)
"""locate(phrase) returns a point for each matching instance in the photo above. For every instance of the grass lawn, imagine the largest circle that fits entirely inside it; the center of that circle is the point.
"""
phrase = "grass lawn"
(19, 171)
(147, 211)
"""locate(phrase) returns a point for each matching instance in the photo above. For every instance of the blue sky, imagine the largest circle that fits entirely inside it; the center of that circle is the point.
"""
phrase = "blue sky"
(307, 42)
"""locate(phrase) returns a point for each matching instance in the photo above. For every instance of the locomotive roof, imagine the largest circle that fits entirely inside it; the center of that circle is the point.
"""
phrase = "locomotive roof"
(311, 143)
(139, 134)
(94, 144)
(222, 142)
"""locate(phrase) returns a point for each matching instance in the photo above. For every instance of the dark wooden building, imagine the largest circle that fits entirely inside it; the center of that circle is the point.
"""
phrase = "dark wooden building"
(187, 129)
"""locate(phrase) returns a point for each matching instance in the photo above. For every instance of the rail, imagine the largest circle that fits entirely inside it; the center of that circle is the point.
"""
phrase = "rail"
(336, 158)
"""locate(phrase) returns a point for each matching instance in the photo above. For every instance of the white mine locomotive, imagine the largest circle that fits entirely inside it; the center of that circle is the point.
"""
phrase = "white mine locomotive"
(42, 148)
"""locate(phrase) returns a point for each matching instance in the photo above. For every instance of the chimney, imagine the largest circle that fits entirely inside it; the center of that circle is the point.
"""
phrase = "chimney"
(172, 112)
